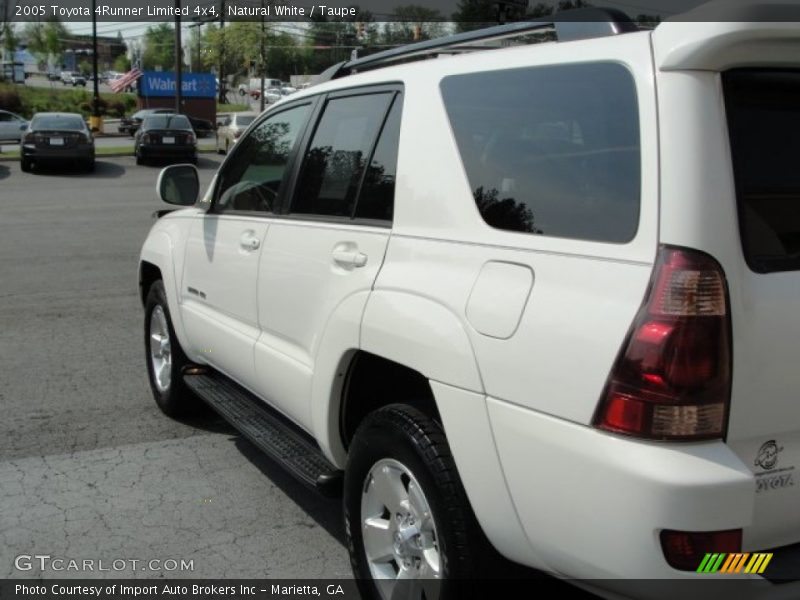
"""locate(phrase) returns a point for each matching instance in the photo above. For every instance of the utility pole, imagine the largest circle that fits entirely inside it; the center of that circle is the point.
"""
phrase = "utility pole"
(263, 62)
(222, 90)
(95, 122)
(178, 59)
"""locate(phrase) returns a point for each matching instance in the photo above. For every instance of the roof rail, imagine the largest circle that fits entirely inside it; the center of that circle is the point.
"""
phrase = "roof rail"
(568, 25)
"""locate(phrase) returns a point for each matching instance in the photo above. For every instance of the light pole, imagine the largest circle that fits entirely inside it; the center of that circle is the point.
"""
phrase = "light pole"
(95, 121)
(178, 58)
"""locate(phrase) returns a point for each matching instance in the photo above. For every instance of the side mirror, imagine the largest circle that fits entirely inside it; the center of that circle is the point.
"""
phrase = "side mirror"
(23, 127)
(178, 184)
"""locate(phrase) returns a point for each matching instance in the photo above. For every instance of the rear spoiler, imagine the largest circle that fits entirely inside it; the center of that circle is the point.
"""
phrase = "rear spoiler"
(721, 35)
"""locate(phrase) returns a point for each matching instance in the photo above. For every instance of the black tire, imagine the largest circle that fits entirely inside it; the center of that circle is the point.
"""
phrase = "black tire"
(176, 400)
(406, 435)
(25, 165)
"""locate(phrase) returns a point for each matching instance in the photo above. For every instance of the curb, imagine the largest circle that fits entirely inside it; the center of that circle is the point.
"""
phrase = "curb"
(129, 153)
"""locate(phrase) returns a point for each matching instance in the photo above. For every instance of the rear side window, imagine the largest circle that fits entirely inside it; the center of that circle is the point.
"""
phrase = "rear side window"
(338, 154)
(763, 110)
(551, 150)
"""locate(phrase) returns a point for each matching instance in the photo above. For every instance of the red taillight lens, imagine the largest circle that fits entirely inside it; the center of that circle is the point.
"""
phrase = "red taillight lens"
(672, 379)
(146, 139)
(238, 133)
(685, 550)
(30, 138)
(190, 139)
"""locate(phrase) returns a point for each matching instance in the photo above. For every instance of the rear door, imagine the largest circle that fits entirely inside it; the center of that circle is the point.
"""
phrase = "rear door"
(330, 244)
(763, 117)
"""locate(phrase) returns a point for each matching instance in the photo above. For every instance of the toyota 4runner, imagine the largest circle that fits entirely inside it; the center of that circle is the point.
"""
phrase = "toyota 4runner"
(560, 317)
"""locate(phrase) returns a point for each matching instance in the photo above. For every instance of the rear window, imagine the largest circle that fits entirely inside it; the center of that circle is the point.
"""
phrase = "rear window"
(167, 122)
(763, 110)
(244, 121)
(551, 150)
(58, 122)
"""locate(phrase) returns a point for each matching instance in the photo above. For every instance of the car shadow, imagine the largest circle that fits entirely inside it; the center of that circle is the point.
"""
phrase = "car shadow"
(4, 171)
(202, 162)
(326, 512)
(103, 169)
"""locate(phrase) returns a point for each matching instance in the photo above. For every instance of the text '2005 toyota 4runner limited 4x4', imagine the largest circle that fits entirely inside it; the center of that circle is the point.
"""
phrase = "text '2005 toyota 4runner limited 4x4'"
(558, 320)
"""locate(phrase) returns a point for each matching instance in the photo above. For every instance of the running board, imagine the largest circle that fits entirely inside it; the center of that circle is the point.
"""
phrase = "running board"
(271, 433)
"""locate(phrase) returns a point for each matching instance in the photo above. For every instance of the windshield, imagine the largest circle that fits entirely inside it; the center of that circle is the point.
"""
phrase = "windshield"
(58, 122)
(167, 122)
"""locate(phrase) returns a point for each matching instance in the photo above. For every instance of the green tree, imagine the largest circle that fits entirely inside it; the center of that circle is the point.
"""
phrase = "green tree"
(122, 63)
(46, 39)
(159, 47)
(8, 38)
(414, 23)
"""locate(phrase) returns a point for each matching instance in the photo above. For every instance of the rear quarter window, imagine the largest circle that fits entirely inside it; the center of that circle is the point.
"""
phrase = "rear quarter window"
(763, 111)
(551, 150)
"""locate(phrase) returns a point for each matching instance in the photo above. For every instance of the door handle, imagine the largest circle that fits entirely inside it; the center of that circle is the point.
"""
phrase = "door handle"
(350, 258)
(249, 242)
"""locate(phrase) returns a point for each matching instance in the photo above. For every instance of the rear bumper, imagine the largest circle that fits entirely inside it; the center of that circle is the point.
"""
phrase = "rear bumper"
(83, 152)
(167, 151)
(592, 505)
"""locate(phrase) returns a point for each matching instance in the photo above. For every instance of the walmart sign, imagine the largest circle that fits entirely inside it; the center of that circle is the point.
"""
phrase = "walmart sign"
(162, 83)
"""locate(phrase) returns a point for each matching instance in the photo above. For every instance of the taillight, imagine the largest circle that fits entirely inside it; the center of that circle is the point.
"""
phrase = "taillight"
(30, 138)
(190, 139)
(146, 138)
(685, 550)
(238, 133)
(672, 379)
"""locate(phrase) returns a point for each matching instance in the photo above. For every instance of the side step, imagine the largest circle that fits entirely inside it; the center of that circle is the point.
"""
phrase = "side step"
(270, 432)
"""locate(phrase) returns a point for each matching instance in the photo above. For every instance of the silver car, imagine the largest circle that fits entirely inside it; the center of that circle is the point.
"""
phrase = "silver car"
(232, 128)
(11, 126)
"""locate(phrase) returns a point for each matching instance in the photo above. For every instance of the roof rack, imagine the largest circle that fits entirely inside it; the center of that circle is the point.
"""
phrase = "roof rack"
(568, 25)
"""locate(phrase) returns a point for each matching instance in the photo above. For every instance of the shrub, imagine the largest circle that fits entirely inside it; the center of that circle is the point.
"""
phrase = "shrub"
(10, 100)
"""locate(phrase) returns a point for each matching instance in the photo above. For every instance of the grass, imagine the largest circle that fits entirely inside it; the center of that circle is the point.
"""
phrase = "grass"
(232, 107)
(27, 100)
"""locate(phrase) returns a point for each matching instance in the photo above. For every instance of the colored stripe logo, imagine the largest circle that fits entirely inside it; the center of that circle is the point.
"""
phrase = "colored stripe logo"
(744, 562)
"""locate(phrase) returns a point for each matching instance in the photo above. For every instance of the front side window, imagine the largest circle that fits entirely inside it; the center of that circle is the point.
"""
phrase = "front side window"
(251, 180)
(334, 163)
(551, 150)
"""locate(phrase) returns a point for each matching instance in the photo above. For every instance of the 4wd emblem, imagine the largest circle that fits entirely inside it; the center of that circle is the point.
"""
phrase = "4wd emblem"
(767, 457)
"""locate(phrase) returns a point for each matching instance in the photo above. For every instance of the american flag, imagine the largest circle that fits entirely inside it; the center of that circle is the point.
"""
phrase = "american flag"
(127, 79)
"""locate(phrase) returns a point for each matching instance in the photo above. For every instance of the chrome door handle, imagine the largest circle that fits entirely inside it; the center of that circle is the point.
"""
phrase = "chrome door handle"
(249, 242)
(350, 258)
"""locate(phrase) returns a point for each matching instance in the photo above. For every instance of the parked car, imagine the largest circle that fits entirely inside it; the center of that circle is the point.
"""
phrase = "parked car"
(73, 78)
(253, 87)
(231, 129)
(12, 126)
(557, 321)
(165, 136)
(57, 138)
(202, 127)
(53, 76)
(129, 125)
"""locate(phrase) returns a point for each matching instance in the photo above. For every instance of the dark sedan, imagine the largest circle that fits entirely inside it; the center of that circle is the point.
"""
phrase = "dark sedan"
(165, 136)
(202, 127)
(131, 124)
(57, 138)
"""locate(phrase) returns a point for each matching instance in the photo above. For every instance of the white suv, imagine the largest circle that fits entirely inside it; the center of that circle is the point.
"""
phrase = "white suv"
(561, 317)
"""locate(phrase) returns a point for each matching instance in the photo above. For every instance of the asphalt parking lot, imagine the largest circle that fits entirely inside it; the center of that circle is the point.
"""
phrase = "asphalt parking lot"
(89, 468)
